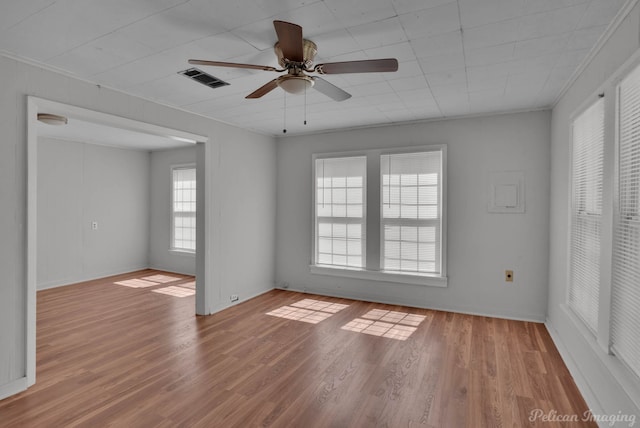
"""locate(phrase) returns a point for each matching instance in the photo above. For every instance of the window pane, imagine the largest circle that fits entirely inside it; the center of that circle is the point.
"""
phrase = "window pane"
(340, 187)
(354, 210)
(184, 209)
(392, 250)
(410, 211)
(625, 293)
(339, 246)
(354, 231)
(339, 210)
(409, 234)
(354, 247)
(586, 171)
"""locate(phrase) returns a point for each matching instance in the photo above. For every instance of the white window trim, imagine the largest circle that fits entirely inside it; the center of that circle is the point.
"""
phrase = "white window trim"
(601, 341)
(172, 249)
(376, 274)
(575, 216)
(373, 275)
(347, 219)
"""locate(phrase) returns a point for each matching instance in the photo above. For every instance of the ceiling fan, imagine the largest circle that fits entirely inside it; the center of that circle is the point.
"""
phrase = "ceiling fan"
(295, 56)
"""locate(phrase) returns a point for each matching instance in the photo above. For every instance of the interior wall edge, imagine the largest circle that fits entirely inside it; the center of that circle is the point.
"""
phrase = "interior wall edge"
(13, 387)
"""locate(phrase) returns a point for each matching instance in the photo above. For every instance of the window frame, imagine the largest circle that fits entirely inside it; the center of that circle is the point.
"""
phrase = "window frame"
(622, 221)
(585, 217)
(347, 220)
(172, 216)
(373, 201)
(439, 221)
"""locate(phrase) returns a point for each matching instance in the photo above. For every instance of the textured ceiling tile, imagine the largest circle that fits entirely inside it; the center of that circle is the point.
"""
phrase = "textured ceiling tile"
(491, 34)
(406, 6)
(378, 34)
(432, 21)
(441, 44)
(505, 49)
(401, 51)
(434, 64)
(550, 23)
(474, 13)
(357, 12)
(490, 55)
(600, 13)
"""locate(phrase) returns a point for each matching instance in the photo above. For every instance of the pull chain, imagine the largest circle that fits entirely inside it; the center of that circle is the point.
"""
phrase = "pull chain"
(305, 105)
(284, 128)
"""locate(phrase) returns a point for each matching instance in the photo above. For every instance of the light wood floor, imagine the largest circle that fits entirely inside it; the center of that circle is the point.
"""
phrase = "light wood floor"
(111, 355)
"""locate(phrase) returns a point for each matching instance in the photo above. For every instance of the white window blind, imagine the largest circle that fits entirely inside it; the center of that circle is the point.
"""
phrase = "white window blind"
(340, 211)
(183, 209)
(586, 213)
(625, 294)
(411, 212)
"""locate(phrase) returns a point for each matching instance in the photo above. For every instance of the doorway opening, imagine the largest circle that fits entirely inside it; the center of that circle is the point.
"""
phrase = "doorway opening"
(91, 186)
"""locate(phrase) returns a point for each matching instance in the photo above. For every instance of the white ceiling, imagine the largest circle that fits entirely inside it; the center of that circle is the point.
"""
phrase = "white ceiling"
(457, 57)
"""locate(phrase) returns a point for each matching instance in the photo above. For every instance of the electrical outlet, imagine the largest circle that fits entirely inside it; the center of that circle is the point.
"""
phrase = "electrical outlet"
(508, 275)
(94, 225)
(234, 298)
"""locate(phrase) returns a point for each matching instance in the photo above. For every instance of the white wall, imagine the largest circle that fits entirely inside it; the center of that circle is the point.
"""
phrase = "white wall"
(77, 185)
(240, 258)
(160, 255)
(593, 369)
(480, 245)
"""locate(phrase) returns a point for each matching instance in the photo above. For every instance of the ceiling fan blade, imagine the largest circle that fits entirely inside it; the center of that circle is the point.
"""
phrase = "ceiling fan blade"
(232, 64)
(264, 89)
(290, 38)
(364, 66)
(330, 90)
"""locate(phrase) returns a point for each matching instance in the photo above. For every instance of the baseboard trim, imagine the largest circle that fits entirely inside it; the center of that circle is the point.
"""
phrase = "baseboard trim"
(581, 382)
(458, 310)
(13, 387)
(65, 282)
(171, 270)
(222, 307)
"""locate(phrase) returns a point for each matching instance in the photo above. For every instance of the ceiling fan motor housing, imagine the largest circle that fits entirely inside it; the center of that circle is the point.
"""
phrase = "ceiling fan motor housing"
(309, 51)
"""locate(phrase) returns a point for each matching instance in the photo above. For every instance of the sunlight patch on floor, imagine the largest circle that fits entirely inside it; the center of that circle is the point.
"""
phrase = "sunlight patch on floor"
(137, 283)
(179, 290)
(175, 291)
(389, 324)
(190, 284)
(161, 279)
(308, 310)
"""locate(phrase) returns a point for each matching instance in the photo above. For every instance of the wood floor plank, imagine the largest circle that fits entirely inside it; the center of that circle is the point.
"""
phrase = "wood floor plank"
(112, 355)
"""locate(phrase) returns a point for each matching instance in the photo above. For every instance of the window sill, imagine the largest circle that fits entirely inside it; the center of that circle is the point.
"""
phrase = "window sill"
(182, 252)
(402, 278)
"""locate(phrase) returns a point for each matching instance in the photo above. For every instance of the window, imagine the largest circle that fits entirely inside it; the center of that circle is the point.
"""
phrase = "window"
(586, 213)
(625, 292)
(340, 211)
(411, 212)
(402, 219)
(183, 208)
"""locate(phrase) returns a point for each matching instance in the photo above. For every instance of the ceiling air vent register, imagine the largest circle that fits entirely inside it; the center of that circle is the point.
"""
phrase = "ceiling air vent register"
(202, 77)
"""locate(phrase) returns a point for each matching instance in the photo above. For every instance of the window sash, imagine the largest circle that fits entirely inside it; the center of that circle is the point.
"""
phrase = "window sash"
(340, 212)
(183, 208)
(625, 287)
(586, 214)
(411, 212)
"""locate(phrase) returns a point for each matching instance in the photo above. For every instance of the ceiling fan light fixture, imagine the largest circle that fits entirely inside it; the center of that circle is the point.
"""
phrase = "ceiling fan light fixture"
(295, 84)
(52, 119)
